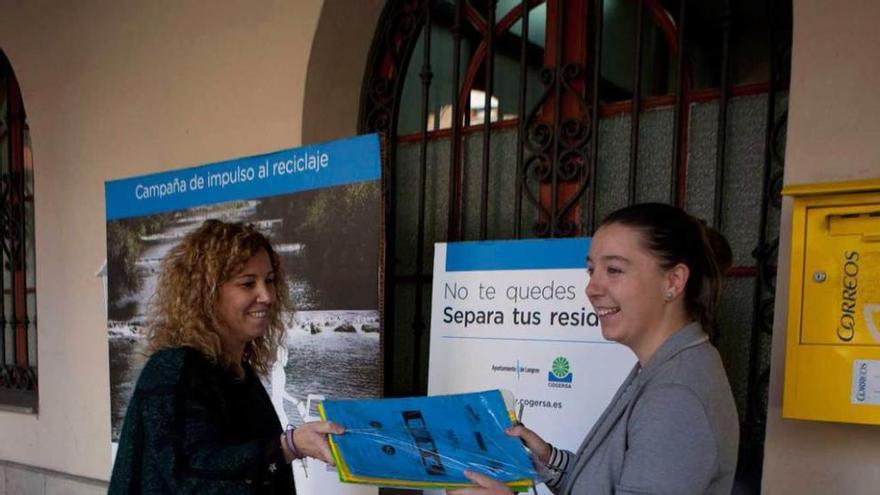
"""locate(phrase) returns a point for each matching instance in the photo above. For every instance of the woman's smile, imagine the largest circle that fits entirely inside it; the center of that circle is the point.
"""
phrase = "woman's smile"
(244, 303)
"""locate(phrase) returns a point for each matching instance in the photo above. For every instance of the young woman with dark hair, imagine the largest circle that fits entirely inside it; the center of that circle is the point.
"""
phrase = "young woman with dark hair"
(672, 427)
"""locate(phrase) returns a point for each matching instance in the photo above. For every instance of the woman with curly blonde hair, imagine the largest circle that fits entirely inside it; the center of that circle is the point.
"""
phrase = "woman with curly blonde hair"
(199, 420)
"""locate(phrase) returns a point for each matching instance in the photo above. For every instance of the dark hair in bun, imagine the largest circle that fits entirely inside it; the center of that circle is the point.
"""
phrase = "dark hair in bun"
(674, 237)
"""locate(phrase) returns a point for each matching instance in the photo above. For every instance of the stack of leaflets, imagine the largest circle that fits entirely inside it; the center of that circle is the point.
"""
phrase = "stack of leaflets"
(427, 442)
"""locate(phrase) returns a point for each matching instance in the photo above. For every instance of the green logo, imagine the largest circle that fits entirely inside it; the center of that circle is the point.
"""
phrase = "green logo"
(560, 367)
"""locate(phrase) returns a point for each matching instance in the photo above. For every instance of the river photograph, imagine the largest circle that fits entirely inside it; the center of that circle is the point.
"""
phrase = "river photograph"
(328, 242)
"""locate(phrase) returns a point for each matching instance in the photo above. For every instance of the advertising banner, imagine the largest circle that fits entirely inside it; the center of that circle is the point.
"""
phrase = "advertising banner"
(320, 207)
(514, 315)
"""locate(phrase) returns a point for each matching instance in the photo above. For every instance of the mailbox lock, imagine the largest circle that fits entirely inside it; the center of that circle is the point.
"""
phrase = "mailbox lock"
(819, 277)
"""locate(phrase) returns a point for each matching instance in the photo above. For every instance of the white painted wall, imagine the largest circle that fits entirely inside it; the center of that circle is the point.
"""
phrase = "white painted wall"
(114, 89)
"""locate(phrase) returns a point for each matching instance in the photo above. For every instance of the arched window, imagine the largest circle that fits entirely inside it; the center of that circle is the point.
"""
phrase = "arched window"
(18, 323)
(502, 125)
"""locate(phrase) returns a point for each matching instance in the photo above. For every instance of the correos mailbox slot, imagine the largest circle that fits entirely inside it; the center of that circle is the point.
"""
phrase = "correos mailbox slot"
(832, 362)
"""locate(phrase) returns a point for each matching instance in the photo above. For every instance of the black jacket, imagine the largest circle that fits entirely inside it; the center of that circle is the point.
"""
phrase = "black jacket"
(193, 427)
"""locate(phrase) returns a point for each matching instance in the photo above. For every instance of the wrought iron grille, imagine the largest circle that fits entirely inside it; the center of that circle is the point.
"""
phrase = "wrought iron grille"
(18, 363)
(501, 125)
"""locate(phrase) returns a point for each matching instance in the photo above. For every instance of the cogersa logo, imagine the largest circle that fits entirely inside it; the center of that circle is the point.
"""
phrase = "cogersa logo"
(560, 375)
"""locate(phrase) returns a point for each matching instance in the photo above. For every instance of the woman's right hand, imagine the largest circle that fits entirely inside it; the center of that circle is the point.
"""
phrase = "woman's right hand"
(539, 448)
(310, 439)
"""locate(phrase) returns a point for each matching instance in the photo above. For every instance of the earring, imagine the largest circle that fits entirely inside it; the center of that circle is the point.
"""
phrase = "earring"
(669, 295)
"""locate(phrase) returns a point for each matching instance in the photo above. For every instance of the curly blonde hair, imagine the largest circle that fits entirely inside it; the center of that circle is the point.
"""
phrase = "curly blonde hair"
(184, 307)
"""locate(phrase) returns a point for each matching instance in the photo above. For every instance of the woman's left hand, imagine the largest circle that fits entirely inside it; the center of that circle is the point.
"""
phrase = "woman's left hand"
(485, 486)
(310, 439)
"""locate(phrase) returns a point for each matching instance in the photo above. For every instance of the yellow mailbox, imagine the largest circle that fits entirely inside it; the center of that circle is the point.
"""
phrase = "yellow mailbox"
(832, 360)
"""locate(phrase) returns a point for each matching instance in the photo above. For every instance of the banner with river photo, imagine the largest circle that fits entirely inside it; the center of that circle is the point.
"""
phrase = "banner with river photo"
(320, 206)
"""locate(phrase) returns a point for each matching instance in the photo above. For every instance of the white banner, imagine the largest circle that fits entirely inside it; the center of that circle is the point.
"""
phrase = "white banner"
(514, 315)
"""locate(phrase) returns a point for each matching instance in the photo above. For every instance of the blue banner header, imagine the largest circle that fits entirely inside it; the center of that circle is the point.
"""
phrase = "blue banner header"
(300, 169)
(529, 254)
